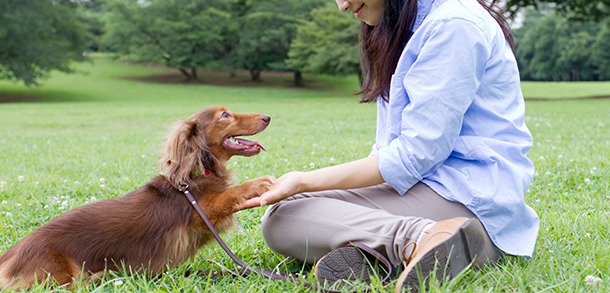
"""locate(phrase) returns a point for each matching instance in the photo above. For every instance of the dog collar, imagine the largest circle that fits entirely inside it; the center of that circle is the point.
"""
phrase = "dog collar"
(204, 172)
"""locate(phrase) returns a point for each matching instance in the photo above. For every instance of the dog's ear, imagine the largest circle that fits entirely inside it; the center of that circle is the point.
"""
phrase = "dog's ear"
(182, 152)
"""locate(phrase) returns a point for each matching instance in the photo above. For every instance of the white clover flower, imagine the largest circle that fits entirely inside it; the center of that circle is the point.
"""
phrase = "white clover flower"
(143, 156)
(102, 186)
(560, 156)
(102, 180)
(587, 180)
(118, 282)
(9, 214)
(592, 280)
(594, 169)
(93, 198)
(4, 202)
(542, 158)
(64, 203)
(312, 165)
(21, 178)
(332, 160)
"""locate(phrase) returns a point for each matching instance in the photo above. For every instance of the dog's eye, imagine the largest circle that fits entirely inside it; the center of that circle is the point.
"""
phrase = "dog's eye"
(225, 115)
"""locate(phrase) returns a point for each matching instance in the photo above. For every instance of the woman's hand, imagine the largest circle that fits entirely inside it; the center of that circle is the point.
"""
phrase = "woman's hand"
(356, 174)
(289, 184)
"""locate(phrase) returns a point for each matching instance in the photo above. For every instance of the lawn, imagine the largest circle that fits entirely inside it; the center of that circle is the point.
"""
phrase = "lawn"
(82, 138)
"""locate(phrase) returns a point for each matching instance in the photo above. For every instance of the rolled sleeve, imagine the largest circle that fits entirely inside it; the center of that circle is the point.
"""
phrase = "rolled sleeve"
(437, 89)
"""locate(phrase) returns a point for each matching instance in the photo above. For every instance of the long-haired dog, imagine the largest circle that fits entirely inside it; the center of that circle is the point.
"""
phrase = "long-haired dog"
(154, 227)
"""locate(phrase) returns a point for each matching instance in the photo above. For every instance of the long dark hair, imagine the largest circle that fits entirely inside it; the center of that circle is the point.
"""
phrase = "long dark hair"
(381, 45)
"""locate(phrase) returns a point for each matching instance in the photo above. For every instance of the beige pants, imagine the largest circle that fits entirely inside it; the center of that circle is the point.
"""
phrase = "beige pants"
(309, 225)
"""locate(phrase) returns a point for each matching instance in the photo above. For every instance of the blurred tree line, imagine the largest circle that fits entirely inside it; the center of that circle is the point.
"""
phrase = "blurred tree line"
(37, 36)
(551, 47)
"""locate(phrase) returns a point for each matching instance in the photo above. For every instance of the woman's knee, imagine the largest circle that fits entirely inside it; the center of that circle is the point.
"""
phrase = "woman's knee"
(273, 227)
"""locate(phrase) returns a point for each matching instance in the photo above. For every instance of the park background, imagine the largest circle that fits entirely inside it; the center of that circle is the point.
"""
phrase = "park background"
(88, 89)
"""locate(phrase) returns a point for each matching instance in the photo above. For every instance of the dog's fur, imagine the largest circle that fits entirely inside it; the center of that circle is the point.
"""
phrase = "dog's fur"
(154, 227)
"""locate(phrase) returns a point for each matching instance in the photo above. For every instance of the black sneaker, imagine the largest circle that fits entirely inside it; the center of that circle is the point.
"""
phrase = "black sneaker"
(345, 266)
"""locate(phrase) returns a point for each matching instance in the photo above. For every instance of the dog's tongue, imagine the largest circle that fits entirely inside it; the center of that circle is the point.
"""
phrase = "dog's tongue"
(250, 143)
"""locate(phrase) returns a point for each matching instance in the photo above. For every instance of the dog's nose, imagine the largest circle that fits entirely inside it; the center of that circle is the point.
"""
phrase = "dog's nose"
(267, 119)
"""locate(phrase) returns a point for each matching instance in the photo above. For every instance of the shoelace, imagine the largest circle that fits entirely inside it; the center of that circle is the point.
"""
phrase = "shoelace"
(407, 260)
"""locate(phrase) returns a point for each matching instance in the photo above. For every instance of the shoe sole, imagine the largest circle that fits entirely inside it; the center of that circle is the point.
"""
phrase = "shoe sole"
(343, 264)
(448, 258)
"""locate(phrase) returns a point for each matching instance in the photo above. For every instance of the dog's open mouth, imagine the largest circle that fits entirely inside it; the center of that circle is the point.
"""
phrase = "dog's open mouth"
(242, 145)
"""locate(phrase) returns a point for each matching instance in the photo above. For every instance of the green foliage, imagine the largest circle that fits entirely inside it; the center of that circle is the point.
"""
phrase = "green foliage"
(267, 27)
(180, 33)
(579, 10)
(550, 47)
(218, 34)
(37, 36)
(328, 44)
(601, 52)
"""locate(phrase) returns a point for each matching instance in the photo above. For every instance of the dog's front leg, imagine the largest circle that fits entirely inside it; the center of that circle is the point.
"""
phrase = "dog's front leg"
(228, 200)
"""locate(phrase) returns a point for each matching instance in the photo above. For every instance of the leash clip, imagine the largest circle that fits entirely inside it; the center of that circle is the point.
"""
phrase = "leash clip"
(183, 187)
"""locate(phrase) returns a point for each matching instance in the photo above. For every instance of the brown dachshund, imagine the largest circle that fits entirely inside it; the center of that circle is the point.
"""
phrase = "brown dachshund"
(154, 227)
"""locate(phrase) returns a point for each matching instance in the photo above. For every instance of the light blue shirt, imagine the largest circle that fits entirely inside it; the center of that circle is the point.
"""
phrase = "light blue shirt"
(455, 121)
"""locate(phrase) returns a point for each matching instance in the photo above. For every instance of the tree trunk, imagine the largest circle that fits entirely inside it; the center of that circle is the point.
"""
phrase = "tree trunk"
(298, 79)
(256, 74)
(194, 73)
(186, 74)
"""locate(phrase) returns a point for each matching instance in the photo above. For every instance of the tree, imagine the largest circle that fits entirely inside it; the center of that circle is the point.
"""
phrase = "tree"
(551, 47)
(328, 44)
(600, 54)
(580, 10)
(183, 34)
(267, 28)
(38, 36)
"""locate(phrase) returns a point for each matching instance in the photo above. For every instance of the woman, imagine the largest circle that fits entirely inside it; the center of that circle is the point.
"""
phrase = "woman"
(450, 151)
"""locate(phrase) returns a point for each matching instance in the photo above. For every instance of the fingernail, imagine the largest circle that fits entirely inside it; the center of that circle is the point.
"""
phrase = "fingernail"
(263, 203)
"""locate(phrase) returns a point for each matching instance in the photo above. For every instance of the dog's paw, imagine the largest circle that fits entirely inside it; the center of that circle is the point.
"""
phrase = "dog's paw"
(259, 186)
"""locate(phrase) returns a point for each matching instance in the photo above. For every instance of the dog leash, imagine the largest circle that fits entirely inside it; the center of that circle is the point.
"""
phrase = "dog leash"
(269, 273)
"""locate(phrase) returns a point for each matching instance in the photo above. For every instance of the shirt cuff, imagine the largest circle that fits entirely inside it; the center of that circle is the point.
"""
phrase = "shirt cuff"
(395, 171)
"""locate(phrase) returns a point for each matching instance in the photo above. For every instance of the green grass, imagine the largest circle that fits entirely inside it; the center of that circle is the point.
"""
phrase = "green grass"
(565, 90)
(96, 136)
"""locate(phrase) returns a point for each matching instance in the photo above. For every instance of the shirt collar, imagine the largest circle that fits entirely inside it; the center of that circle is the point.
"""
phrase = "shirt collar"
(423, 9)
